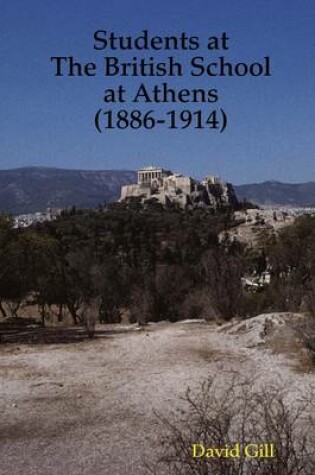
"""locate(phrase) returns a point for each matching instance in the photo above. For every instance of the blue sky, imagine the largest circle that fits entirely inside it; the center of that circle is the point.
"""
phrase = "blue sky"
(48, 121)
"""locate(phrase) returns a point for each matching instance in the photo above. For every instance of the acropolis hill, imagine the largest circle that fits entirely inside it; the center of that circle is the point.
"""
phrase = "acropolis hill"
(167, 187)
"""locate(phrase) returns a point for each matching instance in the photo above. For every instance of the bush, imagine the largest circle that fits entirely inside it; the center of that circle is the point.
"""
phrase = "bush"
(309, 336)
(221, 413)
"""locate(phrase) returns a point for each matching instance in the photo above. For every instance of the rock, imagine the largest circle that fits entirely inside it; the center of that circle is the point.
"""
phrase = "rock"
(167, 188)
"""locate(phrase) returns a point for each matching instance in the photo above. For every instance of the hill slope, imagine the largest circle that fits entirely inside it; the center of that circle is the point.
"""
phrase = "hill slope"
(25, 190)
(277, 193)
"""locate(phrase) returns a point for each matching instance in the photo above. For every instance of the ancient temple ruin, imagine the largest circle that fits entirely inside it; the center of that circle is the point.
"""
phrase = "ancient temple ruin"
(166, 187)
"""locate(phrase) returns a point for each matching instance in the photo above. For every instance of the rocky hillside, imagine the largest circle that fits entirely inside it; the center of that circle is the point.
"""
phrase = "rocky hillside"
(169, 189)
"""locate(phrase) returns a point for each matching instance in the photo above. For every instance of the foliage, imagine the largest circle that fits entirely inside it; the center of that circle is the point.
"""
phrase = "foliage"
(158, 263)
(291, 258)
(236, 411)
(125, 255)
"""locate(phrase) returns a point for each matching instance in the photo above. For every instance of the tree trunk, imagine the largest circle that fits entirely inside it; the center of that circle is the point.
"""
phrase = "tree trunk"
(2, 311)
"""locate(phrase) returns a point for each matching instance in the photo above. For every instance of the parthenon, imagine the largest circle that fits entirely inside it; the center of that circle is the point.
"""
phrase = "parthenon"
(147, 174)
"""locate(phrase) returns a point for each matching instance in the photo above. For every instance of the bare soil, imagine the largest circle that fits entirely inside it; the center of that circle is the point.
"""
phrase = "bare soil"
(89, 406)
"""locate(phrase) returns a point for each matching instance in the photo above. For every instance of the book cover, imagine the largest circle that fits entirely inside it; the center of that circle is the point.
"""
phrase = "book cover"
(157, 224)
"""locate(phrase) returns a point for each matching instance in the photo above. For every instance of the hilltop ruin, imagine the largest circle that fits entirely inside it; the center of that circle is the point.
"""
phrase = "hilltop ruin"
(167, 187)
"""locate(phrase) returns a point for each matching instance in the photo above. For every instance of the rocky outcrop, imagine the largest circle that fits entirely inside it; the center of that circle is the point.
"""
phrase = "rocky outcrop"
(168, 188)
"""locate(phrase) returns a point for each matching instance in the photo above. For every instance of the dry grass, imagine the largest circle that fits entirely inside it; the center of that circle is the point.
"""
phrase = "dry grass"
(288, 341)
(91, 404)
(212, 355)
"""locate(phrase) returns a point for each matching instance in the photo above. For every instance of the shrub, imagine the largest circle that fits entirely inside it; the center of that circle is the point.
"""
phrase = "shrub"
(220, 414)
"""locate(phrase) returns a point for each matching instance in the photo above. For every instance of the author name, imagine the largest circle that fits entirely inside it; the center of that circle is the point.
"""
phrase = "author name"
(252, 450)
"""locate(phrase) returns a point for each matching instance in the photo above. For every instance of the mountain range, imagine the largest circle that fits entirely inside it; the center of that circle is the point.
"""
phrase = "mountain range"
(31, 189)
(275, 193)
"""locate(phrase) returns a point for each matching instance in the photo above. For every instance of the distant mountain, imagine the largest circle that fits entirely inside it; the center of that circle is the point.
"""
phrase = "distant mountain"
(277, 193)
(26, 190)
(30, 189)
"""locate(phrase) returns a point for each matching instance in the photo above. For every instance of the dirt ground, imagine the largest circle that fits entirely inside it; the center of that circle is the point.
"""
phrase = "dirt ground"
(88, 407)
